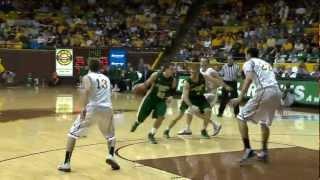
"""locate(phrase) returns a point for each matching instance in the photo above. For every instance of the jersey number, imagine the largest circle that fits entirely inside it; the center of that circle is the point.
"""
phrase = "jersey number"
(102, 84)
(266, 67)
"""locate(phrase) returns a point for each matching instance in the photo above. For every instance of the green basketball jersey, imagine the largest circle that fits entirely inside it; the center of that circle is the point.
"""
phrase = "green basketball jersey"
(161, 86)
(197, 88)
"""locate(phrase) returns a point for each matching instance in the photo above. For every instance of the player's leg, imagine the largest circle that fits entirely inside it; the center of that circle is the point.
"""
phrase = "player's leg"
(205, 107)
(263, 156)
(144, 111)
(223, 102)
(211, 99)
(186, 131)
(78, 129)
(271, 103)
(204, 114)
(234, 94)
(244, 132)
(248, 112)
(66, 167)
(106, 126)
(158, 114)
(166, 133)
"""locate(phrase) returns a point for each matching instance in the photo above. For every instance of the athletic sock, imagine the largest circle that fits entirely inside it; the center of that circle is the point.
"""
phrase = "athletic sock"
(265, 146)
(67, 157)
(246, 143)
(111, 144)
(111, 151)
(153, 131)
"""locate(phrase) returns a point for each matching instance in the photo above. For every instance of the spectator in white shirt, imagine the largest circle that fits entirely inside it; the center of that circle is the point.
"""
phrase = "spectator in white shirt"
(298, 46)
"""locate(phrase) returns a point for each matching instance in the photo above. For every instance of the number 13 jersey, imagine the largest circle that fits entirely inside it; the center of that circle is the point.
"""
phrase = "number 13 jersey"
(100, 90)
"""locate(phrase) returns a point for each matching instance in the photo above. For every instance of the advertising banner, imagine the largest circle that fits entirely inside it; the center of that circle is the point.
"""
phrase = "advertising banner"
(306, 92)
(64, 62)
(118, 57)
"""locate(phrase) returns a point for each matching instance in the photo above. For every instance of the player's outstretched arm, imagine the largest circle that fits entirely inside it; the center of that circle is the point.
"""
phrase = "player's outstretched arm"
(218, 81)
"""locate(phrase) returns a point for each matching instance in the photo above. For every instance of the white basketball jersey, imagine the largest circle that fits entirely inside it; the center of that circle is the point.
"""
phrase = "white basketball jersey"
(263, 75)
(209, 72)
(100, 90)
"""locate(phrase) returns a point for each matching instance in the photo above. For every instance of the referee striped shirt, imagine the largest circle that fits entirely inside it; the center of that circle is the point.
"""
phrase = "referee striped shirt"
(230, 72)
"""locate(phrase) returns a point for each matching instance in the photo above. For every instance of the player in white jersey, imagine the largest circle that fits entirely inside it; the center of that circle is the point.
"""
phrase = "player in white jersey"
(211, 94)
(211, 87)
(262, 106)
(97, 108)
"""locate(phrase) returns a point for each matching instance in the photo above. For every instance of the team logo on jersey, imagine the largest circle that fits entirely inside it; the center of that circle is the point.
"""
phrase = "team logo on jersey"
(64, 57)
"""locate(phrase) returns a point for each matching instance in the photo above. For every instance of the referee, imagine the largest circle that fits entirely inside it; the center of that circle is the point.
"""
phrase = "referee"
(229, 73)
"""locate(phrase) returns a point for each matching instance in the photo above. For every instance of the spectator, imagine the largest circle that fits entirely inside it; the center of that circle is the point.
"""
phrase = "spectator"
(271, 42)
(131, 77)
(302, 71)
(289, 73)
(288, 96)
(279, 70)
(217, 42)
(316, 72)
(287, 46)
(54, 80)
(298, 46)
(2, 68)
(141, 65)
(8, 77)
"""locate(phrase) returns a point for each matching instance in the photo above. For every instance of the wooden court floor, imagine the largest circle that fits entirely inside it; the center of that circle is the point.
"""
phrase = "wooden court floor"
(34, 124)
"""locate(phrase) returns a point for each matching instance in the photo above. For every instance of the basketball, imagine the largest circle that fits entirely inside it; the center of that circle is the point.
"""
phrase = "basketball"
(139, 89)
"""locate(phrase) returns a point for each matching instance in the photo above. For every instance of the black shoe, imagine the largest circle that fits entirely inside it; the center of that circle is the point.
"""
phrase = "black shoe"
(114, 165)
(263, 157)
(134, 126)
(151, 138)
(166, 133)
(248, 154)
(204, 134)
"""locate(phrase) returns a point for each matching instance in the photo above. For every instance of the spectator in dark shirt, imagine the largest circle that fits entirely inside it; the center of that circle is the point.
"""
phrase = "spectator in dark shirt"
(55, 80)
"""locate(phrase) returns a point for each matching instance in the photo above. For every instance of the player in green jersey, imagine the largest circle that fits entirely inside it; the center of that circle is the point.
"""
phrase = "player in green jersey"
(162, 84)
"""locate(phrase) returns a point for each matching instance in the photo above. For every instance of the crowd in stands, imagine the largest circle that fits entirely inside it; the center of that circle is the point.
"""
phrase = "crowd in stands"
(284, 31)
(299, 72)
(90, 23)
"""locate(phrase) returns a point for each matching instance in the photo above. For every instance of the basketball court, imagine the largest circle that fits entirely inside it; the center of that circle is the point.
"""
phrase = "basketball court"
(34, 124)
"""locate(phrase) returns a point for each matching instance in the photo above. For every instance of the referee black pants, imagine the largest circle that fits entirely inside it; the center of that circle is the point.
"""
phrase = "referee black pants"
(227, 95)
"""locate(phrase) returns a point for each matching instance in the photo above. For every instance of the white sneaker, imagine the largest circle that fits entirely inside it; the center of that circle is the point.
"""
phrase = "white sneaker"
(248, 155)
(216, 130)
(185, 132)
(65, 167)
(113, 163)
